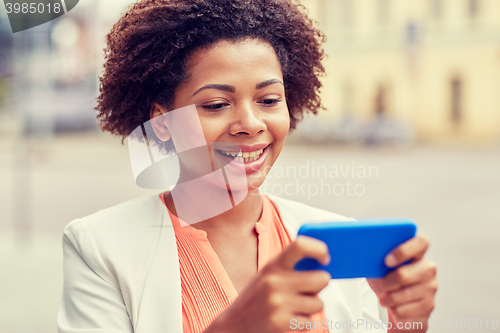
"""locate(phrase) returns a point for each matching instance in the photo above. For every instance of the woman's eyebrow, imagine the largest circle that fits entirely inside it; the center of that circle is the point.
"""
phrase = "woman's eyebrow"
(232, 89)
(224, 87)
(267, 83)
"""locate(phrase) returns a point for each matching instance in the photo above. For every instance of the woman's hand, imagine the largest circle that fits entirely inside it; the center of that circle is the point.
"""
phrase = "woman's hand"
(408, 292)
(278, 294)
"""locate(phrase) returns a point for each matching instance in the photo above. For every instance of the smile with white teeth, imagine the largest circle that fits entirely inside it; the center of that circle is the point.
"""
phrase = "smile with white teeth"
(243, 157)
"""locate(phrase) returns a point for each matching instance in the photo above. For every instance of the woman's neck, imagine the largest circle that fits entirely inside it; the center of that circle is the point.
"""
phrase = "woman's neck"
(236, 220)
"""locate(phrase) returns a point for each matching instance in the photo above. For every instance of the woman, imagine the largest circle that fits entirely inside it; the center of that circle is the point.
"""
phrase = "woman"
(248, 69)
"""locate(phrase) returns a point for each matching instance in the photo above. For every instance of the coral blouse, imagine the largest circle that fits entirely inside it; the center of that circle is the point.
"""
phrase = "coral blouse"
(206, 288)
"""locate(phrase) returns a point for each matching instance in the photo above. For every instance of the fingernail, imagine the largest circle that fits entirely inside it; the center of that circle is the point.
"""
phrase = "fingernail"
(390, 260)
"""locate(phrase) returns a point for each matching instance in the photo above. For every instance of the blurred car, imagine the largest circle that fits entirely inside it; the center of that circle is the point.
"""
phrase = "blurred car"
(59, 110)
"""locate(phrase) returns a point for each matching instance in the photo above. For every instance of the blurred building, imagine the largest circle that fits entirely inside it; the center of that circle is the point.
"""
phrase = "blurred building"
(430, 66)
(51, 77)
(396, 69)
(5, 60)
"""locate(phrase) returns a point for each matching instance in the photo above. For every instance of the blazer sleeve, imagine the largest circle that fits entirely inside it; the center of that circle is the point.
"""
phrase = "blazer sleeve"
(91, 300)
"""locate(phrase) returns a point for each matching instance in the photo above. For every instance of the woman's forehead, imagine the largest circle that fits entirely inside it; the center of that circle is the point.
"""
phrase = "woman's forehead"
(228, 58)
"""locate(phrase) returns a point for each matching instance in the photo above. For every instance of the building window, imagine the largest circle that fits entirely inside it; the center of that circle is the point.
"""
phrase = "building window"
(456, 100)
(473, 8)
(346, 13)
(380, 102)
(437, 9)
(383, 12)
(347, 100)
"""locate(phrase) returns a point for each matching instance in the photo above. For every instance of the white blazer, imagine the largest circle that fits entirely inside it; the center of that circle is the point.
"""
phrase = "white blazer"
(121, 273)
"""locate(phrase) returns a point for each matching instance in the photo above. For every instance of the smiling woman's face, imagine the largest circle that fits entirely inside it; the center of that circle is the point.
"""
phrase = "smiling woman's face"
(238, 91)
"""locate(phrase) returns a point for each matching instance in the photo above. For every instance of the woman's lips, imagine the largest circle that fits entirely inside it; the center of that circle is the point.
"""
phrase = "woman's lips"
(249, 166)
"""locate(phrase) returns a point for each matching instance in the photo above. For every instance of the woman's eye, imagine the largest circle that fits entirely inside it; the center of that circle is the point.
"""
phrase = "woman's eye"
(270, 101)
(214, 107)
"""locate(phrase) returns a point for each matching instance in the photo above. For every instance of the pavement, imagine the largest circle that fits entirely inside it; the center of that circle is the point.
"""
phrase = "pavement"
(452, 193)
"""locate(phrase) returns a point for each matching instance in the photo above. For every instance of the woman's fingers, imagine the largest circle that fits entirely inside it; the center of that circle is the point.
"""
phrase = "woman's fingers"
(404, 295)
(422, 270)
(410, 289)
(303, 247)
(309, 282)
(412, 249)
(289, 296)
(302, 308)
(418, 309)
(306, 305)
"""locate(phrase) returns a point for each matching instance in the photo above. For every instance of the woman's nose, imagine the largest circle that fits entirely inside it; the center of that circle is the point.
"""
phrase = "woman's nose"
(247, 121)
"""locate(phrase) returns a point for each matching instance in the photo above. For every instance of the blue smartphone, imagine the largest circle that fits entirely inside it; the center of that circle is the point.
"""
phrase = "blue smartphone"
(357, 249)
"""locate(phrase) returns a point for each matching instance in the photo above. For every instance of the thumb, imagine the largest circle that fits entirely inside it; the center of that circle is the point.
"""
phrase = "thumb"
(303, 247)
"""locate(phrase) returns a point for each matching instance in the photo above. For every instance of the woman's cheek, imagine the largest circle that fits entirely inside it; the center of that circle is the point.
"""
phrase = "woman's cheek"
(280, 127)
(212, 129)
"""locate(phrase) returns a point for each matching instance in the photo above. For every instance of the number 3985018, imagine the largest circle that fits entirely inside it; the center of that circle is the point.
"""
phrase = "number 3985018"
(33, 8)
(471, 324)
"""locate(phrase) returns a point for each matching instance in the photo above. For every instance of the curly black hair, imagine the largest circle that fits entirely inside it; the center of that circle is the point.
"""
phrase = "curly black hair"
(148, 49)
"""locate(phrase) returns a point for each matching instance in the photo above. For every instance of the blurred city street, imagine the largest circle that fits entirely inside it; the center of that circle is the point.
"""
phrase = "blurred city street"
(411, 128)
(451, 193)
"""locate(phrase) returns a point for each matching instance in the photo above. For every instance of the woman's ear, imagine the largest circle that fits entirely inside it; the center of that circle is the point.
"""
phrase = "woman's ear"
(158, 122)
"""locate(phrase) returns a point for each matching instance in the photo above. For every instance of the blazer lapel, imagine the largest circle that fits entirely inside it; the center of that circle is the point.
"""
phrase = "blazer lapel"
(161, 304)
